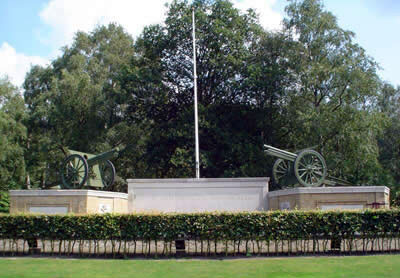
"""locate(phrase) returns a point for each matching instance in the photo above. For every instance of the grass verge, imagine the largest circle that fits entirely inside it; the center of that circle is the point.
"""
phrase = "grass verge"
(381, 266)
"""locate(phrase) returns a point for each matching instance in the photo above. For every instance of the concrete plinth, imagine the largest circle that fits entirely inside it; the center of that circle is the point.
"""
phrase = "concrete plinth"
(198, 195)
(67, 201)
(325, 198)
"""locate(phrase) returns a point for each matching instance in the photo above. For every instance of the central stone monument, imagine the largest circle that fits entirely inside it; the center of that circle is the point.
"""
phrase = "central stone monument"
(197, 195)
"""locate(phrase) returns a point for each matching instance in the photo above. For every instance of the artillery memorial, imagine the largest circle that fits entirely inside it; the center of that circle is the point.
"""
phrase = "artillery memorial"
(304, 175)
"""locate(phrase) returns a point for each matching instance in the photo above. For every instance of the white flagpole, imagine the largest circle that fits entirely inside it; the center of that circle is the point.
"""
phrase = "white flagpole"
(196, 125)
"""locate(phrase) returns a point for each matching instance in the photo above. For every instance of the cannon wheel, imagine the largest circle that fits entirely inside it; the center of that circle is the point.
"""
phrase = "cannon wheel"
(107, 172)
(280, 169)
(74, 171)
(310, 168)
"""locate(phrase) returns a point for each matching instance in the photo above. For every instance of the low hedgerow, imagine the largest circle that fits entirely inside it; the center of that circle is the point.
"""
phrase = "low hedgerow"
(268, 228)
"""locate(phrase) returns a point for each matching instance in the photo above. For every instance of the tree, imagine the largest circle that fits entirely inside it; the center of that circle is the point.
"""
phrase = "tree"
(389, 143)
(12, 137)
(332, 97)
(309, 84)
(77, 101)
(160, 83)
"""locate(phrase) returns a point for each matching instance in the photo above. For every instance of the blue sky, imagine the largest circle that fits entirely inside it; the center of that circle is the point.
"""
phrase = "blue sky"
(20, 26)
(376, 24)
(33, 31)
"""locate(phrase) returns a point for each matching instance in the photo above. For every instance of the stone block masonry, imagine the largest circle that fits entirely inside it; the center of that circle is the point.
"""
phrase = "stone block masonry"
(324, 198)
(67, 201)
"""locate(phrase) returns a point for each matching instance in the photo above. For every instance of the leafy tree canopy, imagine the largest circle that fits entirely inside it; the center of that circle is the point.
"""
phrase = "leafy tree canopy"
(308, 84)
(12, 136)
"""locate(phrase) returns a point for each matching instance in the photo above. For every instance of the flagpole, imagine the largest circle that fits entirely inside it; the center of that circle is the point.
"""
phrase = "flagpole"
(196, 125)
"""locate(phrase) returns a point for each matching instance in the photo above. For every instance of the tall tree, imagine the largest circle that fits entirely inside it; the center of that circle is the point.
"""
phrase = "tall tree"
(160, 81)
(309, 84)
(335, 87)
(389, 141)
(12, 137)
(77, 101)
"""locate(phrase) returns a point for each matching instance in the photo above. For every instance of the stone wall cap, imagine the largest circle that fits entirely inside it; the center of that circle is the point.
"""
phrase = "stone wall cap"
(328, 190)
(68, 192)
(194, 180)
(198, 183)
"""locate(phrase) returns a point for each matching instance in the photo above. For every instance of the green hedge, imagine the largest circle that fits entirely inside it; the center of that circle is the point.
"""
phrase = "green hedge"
(214, 226)
(279, 226)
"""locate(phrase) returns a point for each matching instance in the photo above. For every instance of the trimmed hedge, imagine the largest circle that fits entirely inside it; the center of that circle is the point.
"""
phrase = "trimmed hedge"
(267, 227)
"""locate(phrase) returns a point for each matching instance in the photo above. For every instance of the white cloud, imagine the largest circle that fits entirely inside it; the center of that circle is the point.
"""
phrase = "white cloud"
(16, 65)
(269, 19)
(66, 17)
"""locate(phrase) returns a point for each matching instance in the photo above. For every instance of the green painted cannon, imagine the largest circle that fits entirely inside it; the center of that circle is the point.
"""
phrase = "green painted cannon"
(306, 167)
(81, 170)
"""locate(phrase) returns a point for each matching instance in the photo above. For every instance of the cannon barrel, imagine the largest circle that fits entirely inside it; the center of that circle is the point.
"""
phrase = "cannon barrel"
(103, 157)
(272, 151)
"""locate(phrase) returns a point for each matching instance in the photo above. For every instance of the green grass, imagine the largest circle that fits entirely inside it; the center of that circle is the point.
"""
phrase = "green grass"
(326, 267)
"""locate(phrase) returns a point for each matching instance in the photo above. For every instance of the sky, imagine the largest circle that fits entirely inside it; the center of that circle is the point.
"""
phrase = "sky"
(34, 31)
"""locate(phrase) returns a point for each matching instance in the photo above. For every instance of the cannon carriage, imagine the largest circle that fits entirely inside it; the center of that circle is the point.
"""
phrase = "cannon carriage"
(81, 170)
(306, 167)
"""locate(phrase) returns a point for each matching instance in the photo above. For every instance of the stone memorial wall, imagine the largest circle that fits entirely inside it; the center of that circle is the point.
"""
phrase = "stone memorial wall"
(198, 195)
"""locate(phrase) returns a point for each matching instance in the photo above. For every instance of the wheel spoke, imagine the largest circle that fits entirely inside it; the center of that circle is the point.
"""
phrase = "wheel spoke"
(314, 165)
(302, 164)
(316, 178)
(282, 166)
(318, 167)
(307, 177)
(80, 167)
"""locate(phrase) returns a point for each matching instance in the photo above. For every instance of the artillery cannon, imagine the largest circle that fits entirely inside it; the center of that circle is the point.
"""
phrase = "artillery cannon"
(306, 167)
(87, 170)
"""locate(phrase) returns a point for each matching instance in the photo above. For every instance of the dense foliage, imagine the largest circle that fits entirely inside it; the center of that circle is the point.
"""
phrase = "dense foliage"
(308, 84)
(4, 202)
(12, 137)
(304, 231)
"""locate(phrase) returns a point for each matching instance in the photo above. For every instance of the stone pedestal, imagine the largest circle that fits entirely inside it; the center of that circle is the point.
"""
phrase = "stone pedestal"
(67, 201)
(197, 195)
(326, 198)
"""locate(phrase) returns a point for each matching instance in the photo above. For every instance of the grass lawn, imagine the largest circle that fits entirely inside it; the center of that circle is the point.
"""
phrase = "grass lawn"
(326, 267)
